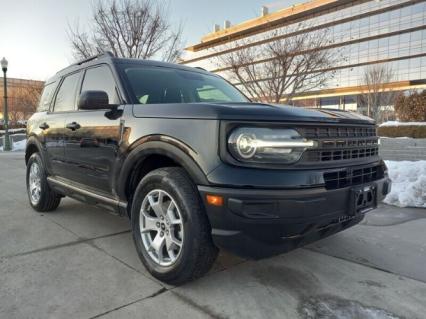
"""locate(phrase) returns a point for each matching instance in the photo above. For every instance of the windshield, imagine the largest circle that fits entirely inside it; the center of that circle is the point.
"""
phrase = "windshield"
(155, 85)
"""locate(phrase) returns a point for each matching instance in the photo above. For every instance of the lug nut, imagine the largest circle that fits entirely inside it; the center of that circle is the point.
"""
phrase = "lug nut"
(158, 224)
(162, 217)
(162, 234)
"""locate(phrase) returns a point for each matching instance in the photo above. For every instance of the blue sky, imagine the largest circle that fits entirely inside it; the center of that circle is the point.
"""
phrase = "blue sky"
(33, 32)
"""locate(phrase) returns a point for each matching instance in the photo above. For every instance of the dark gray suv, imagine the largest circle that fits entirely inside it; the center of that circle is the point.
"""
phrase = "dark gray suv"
(195, 165)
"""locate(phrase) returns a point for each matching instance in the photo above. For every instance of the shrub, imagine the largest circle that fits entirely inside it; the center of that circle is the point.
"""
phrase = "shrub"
(411, 108)
(414, 131)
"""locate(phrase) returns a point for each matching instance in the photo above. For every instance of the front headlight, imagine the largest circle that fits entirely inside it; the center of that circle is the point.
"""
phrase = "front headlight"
(266, 145)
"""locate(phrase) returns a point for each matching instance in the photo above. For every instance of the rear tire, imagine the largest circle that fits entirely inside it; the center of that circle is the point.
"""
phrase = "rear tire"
(42, 198)
(171, 231)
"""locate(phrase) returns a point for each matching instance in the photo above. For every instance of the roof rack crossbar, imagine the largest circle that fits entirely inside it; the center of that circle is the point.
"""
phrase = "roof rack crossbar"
(102, 54)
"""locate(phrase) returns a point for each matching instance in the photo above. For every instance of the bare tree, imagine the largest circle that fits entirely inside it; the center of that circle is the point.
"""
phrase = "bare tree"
(279, 70)
(377, 95)
(23, 102)
(128, 28)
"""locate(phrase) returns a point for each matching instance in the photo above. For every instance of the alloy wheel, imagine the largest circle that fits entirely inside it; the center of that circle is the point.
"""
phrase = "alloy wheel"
(161, 227)
(35, 183)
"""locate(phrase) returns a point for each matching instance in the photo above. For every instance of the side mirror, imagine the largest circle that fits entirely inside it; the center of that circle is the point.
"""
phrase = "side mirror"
(93, 100)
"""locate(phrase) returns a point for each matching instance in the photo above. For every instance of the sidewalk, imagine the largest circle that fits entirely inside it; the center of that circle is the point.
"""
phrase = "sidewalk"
(79, 262)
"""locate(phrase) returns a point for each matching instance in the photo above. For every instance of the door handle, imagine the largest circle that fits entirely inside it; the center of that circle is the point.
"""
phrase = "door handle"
(73, 126)
(44, 126)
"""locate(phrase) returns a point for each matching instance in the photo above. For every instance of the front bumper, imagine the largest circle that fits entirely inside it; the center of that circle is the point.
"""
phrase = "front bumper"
(258, 223)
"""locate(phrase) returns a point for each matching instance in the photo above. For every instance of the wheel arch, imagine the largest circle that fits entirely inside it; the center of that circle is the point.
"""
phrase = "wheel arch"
(154, 152)
(33, 146)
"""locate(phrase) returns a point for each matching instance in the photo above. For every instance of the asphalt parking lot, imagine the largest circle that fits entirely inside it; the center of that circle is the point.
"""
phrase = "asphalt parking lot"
(79, 262)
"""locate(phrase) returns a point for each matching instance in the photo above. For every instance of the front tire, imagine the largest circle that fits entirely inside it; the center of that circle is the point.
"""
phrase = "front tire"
(42, 198)
(171, 231)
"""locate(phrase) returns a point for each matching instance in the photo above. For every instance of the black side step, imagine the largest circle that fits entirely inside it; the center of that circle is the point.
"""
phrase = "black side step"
(87, 196)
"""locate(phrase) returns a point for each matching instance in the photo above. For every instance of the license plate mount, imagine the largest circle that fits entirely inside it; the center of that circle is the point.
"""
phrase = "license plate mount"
(363, 199)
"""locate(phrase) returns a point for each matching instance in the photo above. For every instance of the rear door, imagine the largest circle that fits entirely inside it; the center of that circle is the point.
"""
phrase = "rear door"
(92, 138)
(43, 119)
(53, 126)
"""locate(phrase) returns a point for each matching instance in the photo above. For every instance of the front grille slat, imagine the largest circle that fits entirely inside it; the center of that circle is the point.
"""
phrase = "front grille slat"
(339, 155)
(340, 143)
(348, 177)
(336, 131)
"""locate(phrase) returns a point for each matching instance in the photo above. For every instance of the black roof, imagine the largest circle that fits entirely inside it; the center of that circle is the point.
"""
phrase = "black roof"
(109, 57)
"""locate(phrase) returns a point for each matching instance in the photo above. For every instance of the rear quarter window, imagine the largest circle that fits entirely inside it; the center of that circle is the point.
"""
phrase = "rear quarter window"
(46, 97)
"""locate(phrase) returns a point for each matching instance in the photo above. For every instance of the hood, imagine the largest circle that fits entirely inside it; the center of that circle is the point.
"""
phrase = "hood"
(247, 112)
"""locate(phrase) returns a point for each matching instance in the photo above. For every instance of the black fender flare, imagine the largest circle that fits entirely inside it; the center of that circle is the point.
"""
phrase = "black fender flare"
(168, 146)
(33, 141)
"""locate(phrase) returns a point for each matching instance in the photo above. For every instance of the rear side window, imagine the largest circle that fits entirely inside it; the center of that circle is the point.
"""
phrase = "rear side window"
(46, 97)
(101, 79)
(66, 97)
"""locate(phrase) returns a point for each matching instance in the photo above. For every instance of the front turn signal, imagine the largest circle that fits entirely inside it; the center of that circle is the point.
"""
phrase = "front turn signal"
(214, 200)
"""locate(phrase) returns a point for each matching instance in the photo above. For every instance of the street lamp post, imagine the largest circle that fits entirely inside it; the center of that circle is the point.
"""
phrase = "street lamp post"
(6, 146)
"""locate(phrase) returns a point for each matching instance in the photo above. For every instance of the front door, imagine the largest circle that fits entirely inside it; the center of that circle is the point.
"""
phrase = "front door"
(92, 137)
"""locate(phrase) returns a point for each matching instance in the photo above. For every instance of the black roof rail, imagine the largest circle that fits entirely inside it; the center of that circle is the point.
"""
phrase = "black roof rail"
(102, 54)
(200, 68)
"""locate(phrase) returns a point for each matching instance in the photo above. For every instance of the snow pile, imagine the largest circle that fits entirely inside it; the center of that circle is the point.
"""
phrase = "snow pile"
(17, 146)
(397, 123)
(408, 184)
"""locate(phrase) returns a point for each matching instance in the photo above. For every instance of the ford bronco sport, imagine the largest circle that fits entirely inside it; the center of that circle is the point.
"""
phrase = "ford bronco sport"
(195, 165)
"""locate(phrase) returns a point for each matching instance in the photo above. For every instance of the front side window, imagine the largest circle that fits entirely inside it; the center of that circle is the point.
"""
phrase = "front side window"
(46, 97)
(65, 99)
(101, 79)
(156, 85)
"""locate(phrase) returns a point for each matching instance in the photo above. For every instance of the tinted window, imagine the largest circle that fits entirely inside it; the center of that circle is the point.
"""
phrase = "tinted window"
(100, 79)
(46, 97)
(65, 99)
(154, 85)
